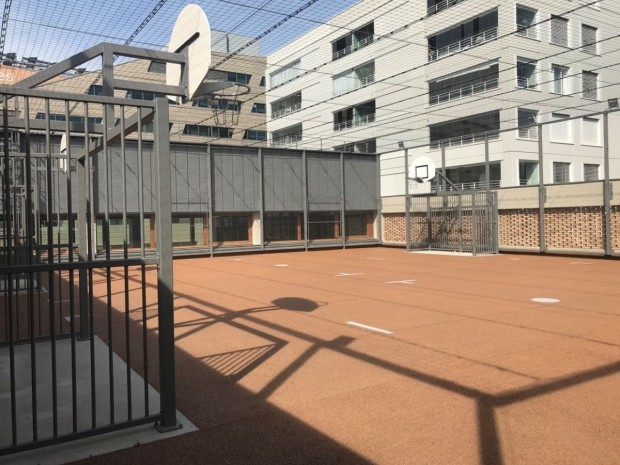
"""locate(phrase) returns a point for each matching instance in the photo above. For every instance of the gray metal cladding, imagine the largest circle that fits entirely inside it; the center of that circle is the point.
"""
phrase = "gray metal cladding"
(235, 179)
(323, 181)
(360, 182)
(283, 178)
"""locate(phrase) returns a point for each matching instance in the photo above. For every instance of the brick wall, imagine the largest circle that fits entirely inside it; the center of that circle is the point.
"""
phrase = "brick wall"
(579, 228)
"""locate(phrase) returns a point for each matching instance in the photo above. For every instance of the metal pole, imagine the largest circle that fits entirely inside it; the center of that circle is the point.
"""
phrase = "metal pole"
(443, 166)
(210, 198)
(343, 231)
(607, 194)
(379, 220)
(487, 168)
(407, 204)
(304, 180)
(165, 294)
(474, 225)
(541, 193)
(261, 197)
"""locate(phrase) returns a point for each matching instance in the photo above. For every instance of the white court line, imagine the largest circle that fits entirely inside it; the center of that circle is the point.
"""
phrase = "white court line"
(405, 281)
(580, 263)
(281, 264)
(235, 259)
(514, 259)
(545, 300)
(374, 258)
(371, 328)
(348, 274)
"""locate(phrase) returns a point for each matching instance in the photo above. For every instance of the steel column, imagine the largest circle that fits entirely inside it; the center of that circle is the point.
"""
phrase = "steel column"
(343, 231)
(607, 194)
(210, 198)
(261, 197)
(542, 195)
(407, 204)
(304, 180)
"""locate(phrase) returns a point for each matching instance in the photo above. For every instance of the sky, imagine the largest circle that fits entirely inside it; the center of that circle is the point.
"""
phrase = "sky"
(54, 30)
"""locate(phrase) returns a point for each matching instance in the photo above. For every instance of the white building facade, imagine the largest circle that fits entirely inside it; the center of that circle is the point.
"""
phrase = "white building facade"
(432, 74)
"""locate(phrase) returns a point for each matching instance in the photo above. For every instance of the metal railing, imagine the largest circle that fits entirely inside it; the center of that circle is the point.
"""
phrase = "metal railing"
(529, 132)
(526, 82)
(353, 48)
(527, 31)
(289, 139)
(439, 7)
(358, 83)
(461, 45)
(286, 111)
(464, 140)
(466, 91)
(361, 121)
(468, 186)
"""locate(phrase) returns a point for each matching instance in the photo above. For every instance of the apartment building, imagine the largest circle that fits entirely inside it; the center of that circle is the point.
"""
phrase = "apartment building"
(230, 120)
(440, 74)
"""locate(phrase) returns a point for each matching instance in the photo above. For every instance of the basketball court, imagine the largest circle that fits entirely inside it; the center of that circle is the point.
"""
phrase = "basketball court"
(376, 355)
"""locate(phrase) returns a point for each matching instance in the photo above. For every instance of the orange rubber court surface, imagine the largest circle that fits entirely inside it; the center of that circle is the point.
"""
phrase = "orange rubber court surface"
(459, 365)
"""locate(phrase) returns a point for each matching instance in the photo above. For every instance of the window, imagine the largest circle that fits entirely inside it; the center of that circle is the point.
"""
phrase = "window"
(589, 85)
(239, 78)
(231, 228)
(251, 134)
(358, 115)
(464, 83)
(590, 172)
(559, 31)
(526, 22)
(356, 78)
(591, 133)
(588, 39)
(561, 172)
(259, 108)
(526, 73)
(528, 173)
(285, 74)
(95, 89)
(157, 67)
(465, 131)
(365, 146)
(526, 118)
(262, 81)
(560, 130)
(559, 83)
(53, 116)
(222, 104)
(286, 106)
(207, 131)
(354, 41)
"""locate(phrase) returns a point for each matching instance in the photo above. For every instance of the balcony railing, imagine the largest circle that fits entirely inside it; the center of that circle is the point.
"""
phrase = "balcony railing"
(530, 132)
(526, 82)
(466, 91)
(468, 186)
(444, 5)
(286, 111)
(527, 31)
(358, 83)
(360, 121)
(464, 140)
(289, 139)
(464, 44)
(353, 47)
(528, 182)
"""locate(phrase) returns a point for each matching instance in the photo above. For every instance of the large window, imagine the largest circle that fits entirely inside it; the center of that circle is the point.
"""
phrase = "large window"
(287, 136)
(356, 78)
(589, 85)
(207, 131)
(528, 172)
(526, 119)
(464, 83)
(231, 228)
(561, 172)
(95, 89)
(285, 73)
(359, 38)
(239, 78)
(358, 115)
(251, 134)
(591, 172)
(589, 39)
(591, 131)
(526, 22)
(526, 73)
(559, 31)
(259, 108)
(286, 106)
(560, 129)
(283, 226)
(560, 80)
(465, 131)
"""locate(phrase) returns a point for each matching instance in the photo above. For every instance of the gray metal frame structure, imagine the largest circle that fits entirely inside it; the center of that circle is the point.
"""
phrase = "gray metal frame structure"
(47, 282)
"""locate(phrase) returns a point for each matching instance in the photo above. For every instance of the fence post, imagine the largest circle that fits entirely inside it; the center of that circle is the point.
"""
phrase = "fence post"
(261, 196)
(83, 246)
(407, 203)
(165, 295)
(304, 181)
(607, 185)
(343, 231)
(541, 193)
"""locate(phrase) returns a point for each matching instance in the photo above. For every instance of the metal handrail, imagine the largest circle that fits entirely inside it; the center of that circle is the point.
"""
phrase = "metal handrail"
(358, 83)
(286, 111)
(469, 42)
(463, 92)
(438, 7)
(529, 132)
(527, 31)
(464, 140)
(361, 121)
(469, 186)
(353, 47)
(526, 83)
(286, 140)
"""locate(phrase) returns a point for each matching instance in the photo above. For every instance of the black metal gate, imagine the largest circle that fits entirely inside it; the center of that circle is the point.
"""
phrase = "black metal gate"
(455, 222)
(76, 319)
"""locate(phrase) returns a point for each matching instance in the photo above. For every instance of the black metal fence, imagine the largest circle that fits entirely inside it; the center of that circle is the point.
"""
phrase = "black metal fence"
(76, 313)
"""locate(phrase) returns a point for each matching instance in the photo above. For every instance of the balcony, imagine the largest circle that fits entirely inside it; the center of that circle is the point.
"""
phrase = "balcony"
(441, 6)
(356, 83)
(469, 42)
(464, 140)
(288, 139)
(468, 186)
(526, 82)
(280, 113)
(358, 121)
(463, 92)
(353, 47)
